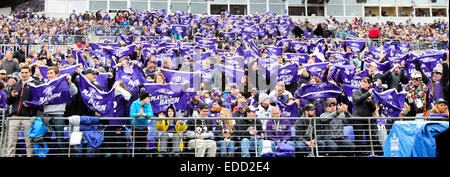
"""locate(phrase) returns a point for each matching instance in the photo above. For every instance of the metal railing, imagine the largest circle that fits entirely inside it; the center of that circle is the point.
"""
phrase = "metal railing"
(36, 48)
(51, 39)
(104, 30)
(2, 131)
(356, 138)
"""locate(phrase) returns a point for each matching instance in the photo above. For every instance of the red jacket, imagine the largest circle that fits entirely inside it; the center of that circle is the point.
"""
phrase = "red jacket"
(374, 32)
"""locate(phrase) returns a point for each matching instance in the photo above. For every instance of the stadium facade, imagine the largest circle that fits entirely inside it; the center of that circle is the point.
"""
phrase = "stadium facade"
(393, 10)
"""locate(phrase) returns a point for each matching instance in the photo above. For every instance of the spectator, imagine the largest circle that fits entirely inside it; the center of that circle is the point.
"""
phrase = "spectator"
(192, 106)
(240, 112)
(278, 130)
(172, 130)
(20, 92)
(440, 109)
(141, 109)
(9, 64)
(201, 137)
(395, 77)
(374, 33)
(3, 77)
(56, 112)
(306, 140)
(364, 106)
(250, 132)
(334, 128)
(417, 93)
(115, 131)
(264, 109)
(226, 135)
(20, 54)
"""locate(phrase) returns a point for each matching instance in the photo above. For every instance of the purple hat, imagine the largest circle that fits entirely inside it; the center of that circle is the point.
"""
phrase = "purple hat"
(241, 105)
(216, 93)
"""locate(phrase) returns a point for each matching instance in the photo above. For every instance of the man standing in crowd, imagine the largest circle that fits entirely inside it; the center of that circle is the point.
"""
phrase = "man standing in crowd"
(9, 64)
(21, 92)
(374, 33)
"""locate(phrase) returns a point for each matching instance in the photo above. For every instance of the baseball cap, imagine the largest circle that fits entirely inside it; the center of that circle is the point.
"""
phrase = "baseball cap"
(91, 71)
(2, 71)
(440, 100)
(216, 93)
(417, 74)
(329, 102)
(309, 107)
(241, 105)
(203, 105)
(437, 70)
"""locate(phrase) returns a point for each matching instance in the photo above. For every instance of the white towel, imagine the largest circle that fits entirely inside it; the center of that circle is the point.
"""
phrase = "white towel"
(76, 135)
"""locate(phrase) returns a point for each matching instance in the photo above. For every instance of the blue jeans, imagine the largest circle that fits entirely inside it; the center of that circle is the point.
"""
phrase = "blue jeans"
(58, 128)
(303, 148)
(223, 146)
(247, 143)
(78, 149)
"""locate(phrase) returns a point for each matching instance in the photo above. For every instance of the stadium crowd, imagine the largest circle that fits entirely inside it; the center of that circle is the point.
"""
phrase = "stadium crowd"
(257, 66)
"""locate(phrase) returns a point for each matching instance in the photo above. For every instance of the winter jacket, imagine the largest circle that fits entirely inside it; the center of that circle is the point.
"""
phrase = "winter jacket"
(333, 129)
(278, 131)
(243, 127)
(363, 108)
(25, 94)
(134, 110)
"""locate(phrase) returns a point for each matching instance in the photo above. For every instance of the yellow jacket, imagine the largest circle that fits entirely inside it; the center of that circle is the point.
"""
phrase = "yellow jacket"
(163, 125)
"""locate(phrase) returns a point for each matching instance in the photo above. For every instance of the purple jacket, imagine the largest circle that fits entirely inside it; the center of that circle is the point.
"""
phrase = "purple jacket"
(283, 133)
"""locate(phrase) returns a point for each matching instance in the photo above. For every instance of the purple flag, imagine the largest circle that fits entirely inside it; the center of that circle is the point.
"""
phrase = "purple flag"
(102, 80)
(54, 92)
(191, 79)
(96, 100)
(321, 90)
(288, 110)
(78, 56)
(392, 101)
(232, 75)
(272, 50)
(348, 90)
(230, 35)
(121, 52)
(125, 40)
(299, 47)
(288, 74)
(402, 48)
(235, 61)
(180, 30)
(298, 57)
(355, 45)
(316, 69)
(356, 82)
(164, 95)
(131, 76)
(429, 62)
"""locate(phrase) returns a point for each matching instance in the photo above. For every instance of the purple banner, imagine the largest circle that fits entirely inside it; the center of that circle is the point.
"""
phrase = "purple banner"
(392, 102)
(96, 100)
(54, 92)
(321, 90)
(164, 95)
(191, 79)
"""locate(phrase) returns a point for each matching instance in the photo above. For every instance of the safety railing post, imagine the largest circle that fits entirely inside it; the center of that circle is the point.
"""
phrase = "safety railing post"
(315, 136)
(133, 129)
(3, 136)
(370, 138)
(256, 138)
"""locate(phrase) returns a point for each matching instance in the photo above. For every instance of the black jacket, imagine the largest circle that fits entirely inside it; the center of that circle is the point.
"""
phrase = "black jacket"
(363, 108)
(242, 128)
(18, 109)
